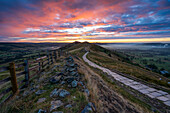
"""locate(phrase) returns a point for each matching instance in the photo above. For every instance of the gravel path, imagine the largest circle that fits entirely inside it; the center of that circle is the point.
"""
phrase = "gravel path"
(144, 89)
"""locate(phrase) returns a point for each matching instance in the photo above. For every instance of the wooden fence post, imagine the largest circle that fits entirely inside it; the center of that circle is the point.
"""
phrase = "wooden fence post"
(55, 56)
(26, 68)
(52, 57)
(42, 63)
(13, 77)
(58, 53)
(39, 63)
(48, 58)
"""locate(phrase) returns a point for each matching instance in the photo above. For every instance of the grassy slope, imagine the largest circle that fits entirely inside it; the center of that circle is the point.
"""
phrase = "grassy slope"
(100, 56)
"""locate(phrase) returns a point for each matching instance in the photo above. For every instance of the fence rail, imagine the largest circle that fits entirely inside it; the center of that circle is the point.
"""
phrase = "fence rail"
(34, 66)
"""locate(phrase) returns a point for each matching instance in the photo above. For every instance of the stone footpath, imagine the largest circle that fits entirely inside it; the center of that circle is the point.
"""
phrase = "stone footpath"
(146, 90)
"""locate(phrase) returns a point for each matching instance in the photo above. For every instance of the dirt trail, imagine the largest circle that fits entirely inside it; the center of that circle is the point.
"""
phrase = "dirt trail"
(105, 98)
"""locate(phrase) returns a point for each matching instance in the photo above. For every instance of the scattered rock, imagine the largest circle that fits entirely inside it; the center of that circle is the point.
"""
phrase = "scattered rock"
(68, 106)
(25, 93)
(32, 84)
(36, 87)
(81, 84)
(74, 83)
(55, 79)
(40, 100)
(41, 111)
(87, 92)
(70, 79)
(57, 112)
(39, 92)
(73, 73)
(63, 93)
(89, 108)
(54, 67)
(63, 82)
(56, 104)
(59, 92)
(54, 93)
(71, 69)
(60, 74)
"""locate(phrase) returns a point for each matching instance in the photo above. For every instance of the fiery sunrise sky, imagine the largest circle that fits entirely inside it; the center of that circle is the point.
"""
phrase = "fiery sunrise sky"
(85, 20)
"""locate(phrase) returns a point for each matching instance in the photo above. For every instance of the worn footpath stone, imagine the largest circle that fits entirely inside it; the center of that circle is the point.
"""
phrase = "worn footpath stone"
(70, 79)
(62, 82)
(39, 92)
(56, 104)
(167, 103)
(54, 93)
(63, 93)
(59, 92)
(87, 92)
(74, 83)
(41, 111)
(163, 98)
(89, 108)
(25, 93)
(57, 112)
(55, 79)
(40, 100)
(68, 106)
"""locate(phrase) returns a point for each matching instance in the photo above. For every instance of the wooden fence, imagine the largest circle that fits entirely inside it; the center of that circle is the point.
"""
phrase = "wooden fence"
(29, 68)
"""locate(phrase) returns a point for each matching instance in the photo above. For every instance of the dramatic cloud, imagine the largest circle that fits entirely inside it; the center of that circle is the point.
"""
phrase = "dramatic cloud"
(91, 20)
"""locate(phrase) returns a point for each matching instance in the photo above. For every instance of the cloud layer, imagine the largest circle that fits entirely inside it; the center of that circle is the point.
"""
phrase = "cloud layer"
(91, 20)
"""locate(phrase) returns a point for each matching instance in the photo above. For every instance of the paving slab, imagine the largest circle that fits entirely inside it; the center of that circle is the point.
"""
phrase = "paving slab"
(151, 96)
(141, 86)
(128, 83)
(144, 91)
(117, 78)
(167, 103)
(134, 83)
(134, 87)
(151, 89)
(168, 96)
(162, 92)
(163, 98)
(155, 94)
(124, 79)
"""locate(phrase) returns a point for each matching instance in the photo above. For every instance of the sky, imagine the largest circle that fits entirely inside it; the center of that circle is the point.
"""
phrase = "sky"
(105, 21)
